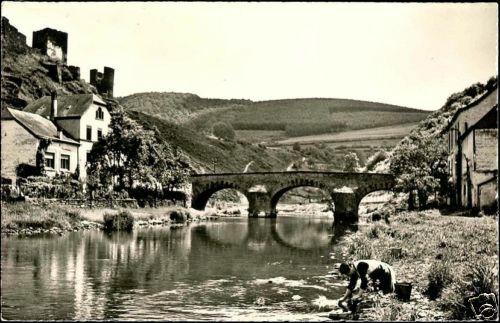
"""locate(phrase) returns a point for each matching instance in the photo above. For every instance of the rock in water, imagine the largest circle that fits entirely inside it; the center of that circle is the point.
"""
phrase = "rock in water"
(296, 297)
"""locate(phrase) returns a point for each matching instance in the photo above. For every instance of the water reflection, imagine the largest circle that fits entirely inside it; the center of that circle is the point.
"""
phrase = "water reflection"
(163, 273)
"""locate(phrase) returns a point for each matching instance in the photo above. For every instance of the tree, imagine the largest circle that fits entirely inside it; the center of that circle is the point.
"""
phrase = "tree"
(419, 164)
(223, 130)
(351, 162)
(130, 154)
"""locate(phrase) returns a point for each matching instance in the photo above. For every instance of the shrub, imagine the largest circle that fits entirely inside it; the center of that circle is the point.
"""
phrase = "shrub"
(361, 248)
(179, 216)
(223, 130)
(296, 146)
(375, 159)
(482, 278)
(351, 162)
(438, 277)
(122, 221)
(74, 215)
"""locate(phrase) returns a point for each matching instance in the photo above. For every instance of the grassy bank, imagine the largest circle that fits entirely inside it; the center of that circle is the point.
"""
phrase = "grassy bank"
(30, 219)
(446, 258)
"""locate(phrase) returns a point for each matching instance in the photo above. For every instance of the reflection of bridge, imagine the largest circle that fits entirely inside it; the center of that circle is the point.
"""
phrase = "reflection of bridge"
(263, 190)
(265, 231)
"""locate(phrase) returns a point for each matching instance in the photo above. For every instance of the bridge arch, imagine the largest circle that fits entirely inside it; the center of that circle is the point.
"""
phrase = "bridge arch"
(374, 187)
(200, 198)
(295, 183)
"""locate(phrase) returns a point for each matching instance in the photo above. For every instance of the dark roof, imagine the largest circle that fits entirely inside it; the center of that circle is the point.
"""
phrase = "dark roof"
(73, 105)
(493, 92)
(36, 124)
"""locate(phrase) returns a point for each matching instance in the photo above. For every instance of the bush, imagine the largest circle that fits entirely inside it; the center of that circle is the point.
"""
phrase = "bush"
(223, 130)
(361, 248)
(481, 279)
(438, 277)
(351, 162)
(179, 216)
(375, 159)
(122, 221)
(74, 215)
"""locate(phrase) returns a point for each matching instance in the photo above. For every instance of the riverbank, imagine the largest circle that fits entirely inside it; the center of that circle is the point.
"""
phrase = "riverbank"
(29, 219)
(446, 258)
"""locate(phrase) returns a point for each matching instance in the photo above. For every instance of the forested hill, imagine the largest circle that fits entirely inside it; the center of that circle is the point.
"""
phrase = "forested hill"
(297, 117)
(176, 107)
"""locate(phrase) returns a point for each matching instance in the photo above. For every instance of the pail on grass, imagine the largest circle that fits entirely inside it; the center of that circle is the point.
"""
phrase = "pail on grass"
(403, 291)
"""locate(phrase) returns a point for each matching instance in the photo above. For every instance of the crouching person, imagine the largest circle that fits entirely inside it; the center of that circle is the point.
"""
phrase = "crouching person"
(379, 273)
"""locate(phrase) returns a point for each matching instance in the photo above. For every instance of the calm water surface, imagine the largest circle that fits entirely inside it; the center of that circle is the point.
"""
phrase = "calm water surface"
(231, 269)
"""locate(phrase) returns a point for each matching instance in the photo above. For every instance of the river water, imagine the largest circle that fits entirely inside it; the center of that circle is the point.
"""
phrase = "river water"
(229, 269)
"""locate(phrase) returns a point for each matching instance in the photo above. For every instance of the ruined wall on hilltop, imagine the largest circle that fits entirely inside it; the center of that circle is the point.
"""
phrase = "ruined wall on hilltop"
(28, 74)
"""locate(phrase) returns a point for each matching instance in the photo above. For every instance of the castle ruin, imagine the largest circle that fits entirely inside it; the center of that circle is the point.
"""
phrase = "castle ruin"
(103, 82)
(53, 43)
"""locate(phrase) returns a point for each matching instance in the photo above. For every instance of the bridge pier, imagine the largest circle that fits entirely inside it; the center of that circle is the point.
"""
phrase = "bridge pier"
(346, 207)
(260, 202)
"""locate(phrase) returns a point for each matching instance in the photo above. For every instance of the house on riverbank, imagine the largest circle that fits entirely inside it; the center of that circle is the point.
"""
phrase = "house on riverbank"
(472, 135)
(63, 129)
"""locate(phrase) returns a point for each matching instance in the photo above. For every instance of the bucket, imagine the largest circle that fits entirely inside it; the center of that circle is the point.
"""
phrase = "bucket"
(403, 291)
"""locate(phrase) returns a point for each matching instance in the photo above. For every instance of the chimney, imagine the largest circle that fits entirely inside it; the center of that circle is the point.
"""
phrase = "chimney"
(53, 106)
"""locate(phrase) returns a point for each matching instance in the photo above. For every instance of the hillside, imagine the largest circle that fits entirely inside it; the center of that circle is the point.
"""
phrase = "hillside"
(362, 135)
(27, 75)
(205, 152)
(435, 123)
(302, 117)
(280, 119)
(176, 107)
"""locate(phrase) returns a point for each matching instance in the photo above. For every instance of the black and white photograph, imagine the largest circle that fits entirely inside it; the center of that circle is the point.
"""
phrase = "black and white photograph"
(249, 161)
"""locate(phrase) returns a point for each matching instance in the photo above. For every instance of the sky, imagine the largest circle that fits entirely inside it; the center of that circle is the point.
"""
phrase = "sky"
(414, 55)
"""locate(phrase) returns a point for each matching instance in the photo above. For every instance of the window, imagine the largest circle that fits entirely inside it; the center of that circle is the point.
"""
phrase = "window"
(99, 134)
(88, 157)
(99, 114)
(65, 162)
(49, 160)
(89, 133)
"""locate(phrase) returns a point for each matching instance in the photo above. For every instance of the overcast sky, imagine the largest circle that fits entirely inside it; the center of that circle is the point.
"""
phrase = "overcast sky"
(413, 55)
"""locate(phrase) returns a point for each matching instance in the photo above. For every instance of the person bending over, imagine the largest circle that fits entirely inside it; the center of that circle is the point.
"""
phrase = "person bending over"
(381, 274)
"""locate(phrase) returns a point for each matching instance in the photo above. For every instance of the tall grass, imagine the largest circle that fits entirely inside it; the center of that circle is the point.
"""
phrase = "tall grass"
(25, 215)
(480, 278)
(463, 253)
(439, 276)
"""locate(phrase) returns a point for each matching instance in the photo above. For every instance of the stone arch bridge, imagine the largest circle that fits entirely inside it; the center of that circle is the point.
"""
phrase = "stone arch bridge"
(263, 190)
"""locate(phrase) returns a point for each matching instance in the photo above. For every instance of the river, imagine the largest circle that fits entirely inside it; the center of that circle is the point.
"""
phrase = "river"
(230, 269)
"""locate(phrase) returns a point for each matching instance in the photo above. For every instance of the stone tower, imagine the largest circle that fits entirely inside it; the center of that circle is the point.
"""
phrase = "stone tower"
(103, 82)
(53, 43)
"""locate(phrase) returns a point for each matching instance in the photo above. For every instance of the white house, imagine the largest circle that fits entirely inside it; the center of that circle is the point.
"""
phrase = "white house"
(72, 123)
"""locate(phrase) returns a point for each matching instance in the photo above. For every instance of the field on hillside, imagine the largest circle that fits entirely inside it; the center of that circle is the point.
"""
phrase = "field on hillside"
(302, 117)
(379, 134)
